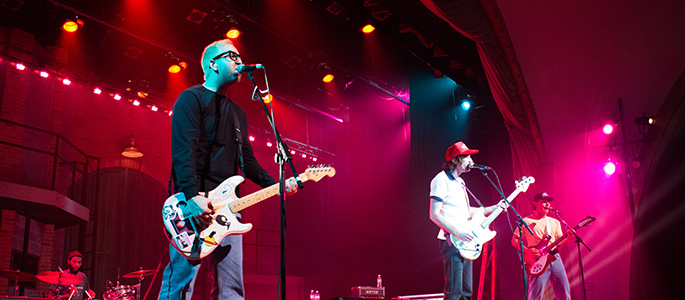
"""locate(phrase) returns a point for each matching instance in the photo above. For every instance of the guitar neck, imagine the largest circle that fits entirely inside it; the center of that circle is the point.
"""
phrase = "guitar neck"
(556, 242)
(486, 223)
(258, 196)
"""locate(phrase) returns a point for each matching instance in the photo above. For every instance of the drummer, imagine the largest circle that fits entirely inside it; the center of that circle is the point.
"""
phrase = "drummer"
(76, 291)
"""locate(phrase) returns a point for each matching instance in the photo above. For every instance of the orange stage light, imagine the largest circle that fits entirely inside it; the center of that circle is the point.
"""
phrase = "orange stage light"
(72, 26)
(328, 78)
(174, 69)
(368, 28)
(268, 98)
(233, 33)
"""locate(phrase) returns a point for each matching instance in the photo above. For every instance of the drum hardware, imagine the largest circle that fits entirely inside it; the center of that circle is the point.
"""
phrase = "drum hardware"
(17, 276)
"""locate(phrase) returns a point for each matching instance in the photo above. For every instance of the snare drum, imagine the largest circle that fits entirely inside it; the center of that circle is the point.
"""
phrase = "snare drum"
(121, 292)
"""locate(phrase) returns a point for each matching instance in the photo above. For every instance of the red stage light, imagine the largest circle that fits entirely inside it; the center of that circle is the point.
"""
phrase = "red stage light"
(44, 74)
(328, 78)
(292, 152)
(171, 112)
(233, 33)
(304, 155)
(154, 108)
(251, 138)
(20, 67)
(314, 159)
(136, 102)
(66, 81)
(368, 28)
(269, 144)
(97, 91)
(117, 97)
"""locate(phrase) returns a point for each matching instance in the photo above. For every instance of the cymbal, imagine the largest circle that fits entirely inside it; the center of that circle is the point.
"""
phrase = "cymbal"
(17, 275)
(140, 273)
(62, 278)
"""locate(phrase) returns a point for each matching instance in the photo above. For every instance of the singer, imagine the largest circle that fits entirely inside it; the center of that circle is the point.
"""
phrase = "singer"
(450, 209)
(209, 143)
(546, 230)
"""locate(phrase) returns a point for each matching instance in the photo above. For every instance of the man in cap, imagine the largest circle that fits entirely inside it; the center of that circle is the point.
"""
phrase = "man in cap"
(545, 231)
(450, 210)
(78, 291)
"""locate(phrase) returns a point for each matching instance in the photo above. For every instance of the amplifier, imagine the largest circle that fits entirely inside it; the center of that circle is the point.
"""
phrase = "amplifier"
(368, 292)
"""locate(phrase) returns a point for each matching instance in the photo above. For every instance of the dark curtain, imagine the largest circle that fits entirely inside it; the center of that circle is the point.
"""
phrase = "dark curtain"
(482, 22)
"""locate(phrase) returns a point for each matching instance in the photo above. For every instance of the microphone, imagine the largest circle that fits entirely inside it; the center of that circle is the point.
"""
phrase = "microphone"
(479, 167)
(554, 210)
(248, 68)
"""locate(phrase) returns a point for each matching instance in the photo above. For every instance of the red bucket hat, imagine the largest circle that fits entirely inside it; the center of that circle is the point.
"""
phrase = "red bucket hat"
(459, 148)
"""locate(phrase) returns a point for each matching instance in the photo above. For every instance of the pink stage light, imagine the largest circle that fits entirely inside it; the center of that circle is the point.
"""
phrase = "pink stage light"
(154, 108)
(609, 168)
(171, 112)
(608, 128)
(304, 155)
(251, 138)
(66, 81)
(292, 152)
(117, 97)
(314, 159)
(136, 102)
(269, 144)
(44, 74)
(97, 91)
(20, 67)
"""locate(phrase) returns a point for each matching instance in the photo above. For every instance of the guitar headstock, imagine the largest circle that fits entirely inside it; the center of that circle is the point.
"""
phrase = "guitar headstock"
(587, 220)
(319, 171)
(523, 183)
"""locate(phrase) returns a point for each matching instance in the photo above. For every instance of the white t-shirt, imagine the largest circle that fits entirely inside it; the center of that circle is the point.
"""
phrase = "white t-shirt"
(455, 200)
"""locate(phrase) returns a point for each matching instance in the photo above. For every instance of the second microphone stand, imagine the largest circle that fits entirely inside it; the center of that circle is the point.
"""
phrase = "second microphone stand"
(282, 157)
(520, 224)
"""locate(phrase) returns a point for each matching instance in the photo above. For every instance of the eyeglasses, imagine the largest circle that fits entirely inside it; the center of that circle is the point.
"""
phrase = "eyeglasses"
(230, 54)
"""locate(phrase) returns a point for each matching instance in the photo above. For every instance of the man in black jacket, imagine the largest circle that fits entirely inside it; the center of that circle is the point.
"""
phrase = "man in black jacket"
(205, 151)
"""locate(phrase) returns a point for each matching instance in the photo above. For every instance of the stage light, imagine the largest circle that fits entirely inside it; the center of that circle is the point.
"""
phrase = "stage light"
(171, 112)
(20, 67)
(154, 108)
(251, 138)
(233, 33)
(314, 159)
(609, 168)
(173, 69)
(466, 105)
(269, 144)
(117, 97)
(44, 74)
(608, 128)
(66, 81)
(136, 102)
(328, 78)
(304, 155)
(368, 28)
(292, 152)
(97, 91)
(71, 25)
(142, 94)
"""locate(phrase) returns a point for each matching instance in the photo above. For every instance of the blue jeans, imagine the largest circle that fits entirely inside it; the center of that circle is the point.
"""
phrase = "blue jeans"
(458, 273)
(227, 266)
(557, 275)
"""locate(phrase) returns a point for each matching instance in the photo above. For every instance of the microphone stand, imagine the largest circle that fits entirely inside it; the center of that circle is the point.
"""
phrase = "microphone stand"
(520, 224)
(282, 157)
(578, 242)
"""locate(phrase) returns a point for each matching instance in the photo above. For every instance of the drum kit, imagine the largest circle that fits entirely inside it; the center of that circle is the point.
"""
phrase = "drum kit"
(118, 292)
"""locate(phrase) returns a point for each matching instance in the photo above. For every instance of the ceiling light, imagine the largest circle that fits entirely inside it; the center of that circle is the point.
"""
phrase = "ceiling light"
(132, 151)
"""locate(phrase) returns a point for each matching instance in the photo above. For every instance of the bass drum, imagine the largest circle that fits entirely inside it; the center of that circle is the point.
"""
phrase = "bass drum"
(121, 292)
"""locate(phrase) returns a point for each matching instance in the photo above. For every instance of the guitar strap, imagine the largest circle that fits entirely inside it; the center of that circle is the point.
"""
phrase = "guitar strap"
(239, 141)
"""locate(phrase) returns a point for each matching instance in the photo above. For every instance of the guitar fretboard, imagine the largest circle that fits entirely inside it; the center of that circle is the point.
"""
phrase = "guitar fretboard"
(259, 196)
(486, 223)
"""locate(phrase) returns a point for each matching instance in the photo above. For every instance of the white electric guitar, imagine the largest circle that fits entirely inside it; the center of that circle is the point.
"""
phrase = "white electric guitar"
(195, 243)
(479, 225)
